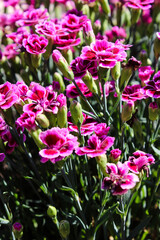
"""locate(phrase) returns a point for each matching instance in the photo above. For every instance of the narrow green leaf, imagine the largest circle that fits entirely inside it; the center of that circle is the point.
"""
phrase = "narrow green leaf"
(4, 221)
(156, 150)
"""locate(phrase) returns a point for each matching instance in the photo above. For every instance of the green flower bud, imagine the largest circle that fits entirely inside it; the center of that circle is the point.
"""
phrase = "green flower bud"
(153, 111)
(35, 135)
(157, 46)
(42, 120)
(105, 6)
(102, 161)
(36, 60)
(116, 71)
(68, 55)
(135, 14)
(127, 111)
(57, 77)
(76, 113)
(64, 228)
(62, 64)
(62, 117)
(52, 212)
(88, 80)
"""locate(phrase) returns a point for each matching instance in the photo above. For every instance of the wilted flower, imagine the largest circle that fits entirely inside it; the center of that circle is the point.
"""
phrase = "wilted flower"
(119, 179)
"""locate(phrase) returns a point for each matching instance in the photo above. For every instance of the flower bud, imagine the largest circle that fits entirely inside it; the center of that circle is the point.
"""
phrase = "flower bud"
(105, 6)
(135, 14)
(153, 111)
(90, 83)
(57, 77)
(42, 120)
(76, 113)
(52, 212)
(62, 117)
(102, 161)
(36, 60)
(127, 111)
(114, 155)
(35, 135)
(89, 34)
(62, 64)
(68, 55)
(116, 71)
(143, 57)
(64, 228)
(157, 45)
(17, 230)
(97, 26)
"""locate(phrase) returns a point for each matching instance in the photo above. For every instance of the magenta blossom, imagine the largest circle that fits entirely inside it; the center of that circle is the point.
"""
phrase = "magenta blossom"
(19, 35)
(11, 51)
(101, 130)
(32, 17)
(27, 120)
(35, 44)
(17, 226)
(3, 127)
(73, 23)
(145, 73)
(139, 4)
(96, 147)
(139, 161)
(152, 88)
(71, 90)
(60, 144)
(119, 179)
(9, 95)
(115, 33)
(66, 40)
(12, 3)
(105, 53)
(133, 93)
(115, 154)
(2, 157)
(87, 127)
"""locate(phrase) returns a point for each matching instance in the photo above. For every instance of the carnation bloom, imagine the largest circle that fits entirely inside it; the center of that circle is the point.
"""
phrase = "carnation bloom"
(139, 161)
(145, 73)
(115, 154)
(87, 127)
(105, 53)
(32, 17)
(60, 144)
(139, 4)
(3, 127)
(19, 35)
(9, 95)
(96, 146)
(27, 120)
(119, 179)
(152, 88)
(73, 23)
(101, 130)
(116, 32)
(11, 51)
(71, 90)
(12, 3)
(66, 40)
(35, 44)
(132, 93)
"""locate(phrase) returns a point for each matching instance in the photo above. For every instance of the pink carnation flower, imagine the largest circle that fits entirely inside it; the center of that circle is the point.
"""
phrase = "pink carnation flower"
(73, 23)
(139, 4)
(132, 93)
(71, 90)
(32, 17)
(145, 73)
(119, 180)
(105, 53)
(3, 127)
(18, 36)
(115, 33)
(152, 88)
(96, 147)
(11, 51)
(35, 44)
(139, 161)
(12, 3)
(27, 120)
(9, 95)
(2, 157)
(59, 142)
(66, 40)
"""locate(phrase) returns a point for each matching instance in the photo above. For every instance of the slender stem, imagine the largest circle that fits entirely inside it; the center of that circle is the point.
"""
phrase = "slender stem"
(123, 219)
(157, 129)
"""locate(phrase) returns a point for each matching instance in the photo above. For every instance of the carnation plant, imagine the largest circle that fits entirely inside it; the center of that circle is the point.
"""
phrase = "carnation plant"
(79, 119)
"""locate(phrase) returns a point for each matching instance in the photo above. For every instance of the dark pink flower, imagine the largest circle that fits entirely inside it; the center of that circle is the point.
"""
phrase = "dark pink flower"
(119, 180)
(152, 88)
(17, 226)
(67, 40)
(43, 99)
(60, 144)
(49, 29)
(9, 95)
(10, 142)
(35, 44)
(12, 3)
(133, 93)
(109, 87)
(32, 17)
(101, 130)
(73, 23)
(96, 147)
(139, 4)
(115, 153)
(2, 157)
(71, 90)
(139, 161)
(3, 127)
(115, 33)
(145, 73)
(80, 66)
(105, 53)
(87, 127)
(27, 120)
(11, 51)
(19, 35)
